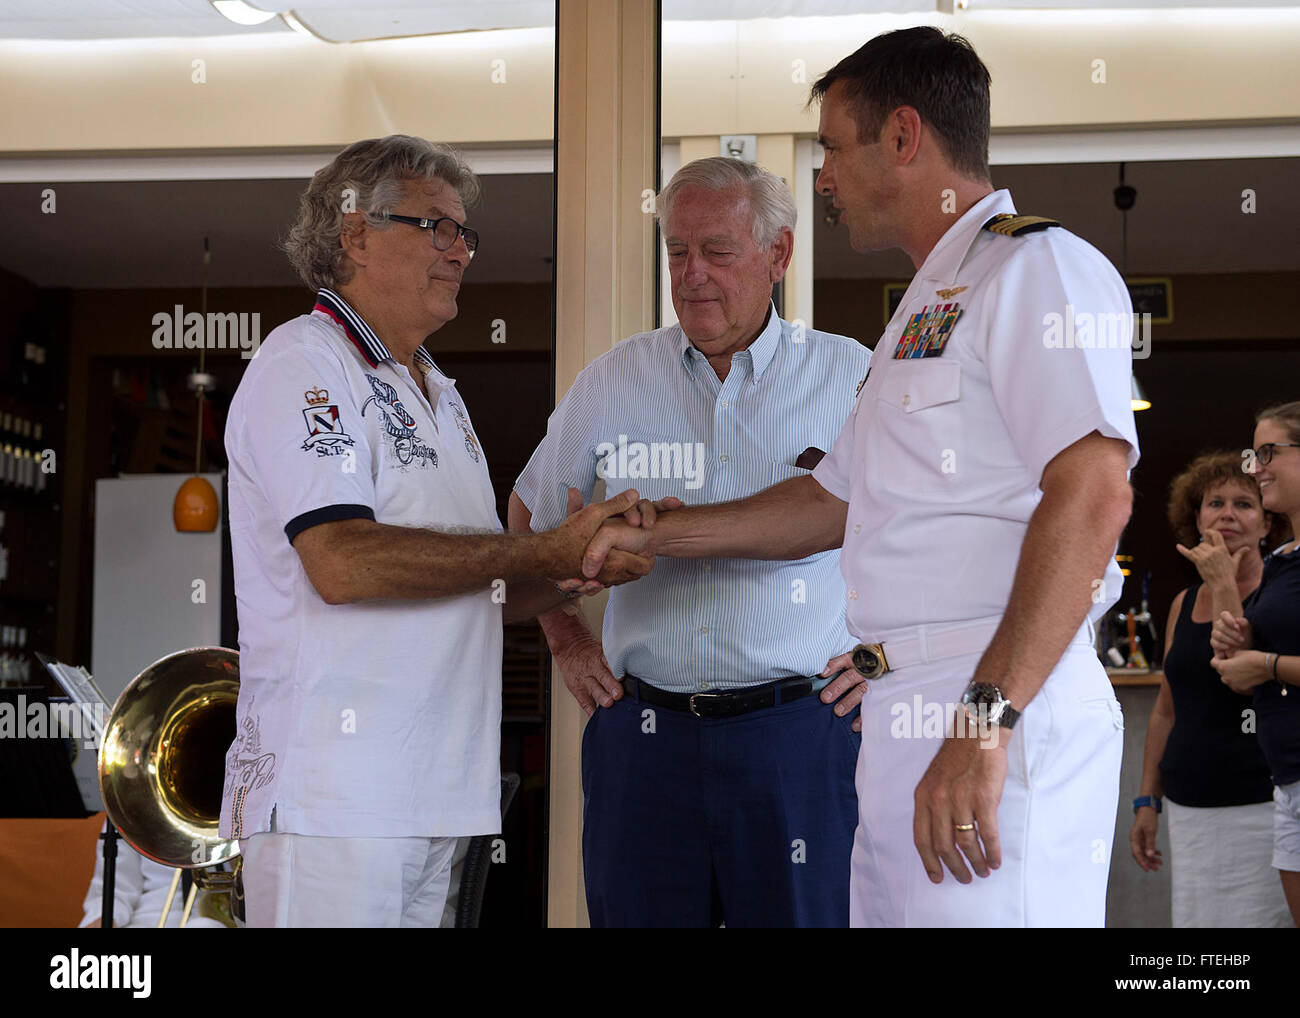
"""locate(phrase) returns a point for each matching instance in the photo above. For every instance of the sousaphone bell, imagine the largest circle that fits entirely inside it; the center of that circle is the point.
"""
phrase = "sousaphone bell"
(162, 767)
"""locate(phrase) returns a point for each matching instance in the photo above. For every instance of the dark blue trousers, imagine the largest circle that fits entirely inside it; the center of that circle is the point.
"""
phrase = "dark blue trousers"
(691, 822)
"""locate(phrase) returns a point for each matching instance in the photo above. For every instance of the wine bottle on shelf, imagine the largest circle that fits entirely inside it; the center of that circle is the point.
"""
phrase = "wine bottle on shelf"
(1136, 658)
(18, 469)
(1146, 625)
(24, 659)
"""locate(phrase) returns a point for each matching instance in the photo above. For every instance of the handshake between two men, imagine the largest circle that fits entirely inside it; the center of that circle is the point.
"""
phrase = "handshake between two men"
(625, 533)
(619, 549)
(623, 536)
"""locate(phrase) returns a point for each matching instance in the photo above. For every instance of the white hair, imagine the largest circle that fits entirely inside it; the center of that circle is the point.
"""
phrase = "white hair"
(769, 197)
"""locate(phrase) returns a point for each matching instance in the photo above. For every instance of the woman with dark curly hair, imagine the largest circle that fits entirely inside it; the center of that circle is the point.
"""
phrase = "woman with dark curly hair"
(1202, 757)
(1258, 649)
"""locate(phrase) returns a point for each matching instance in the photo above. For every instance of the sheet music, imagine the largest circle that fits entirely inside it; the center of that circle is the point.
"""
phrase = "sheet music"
(82, 691)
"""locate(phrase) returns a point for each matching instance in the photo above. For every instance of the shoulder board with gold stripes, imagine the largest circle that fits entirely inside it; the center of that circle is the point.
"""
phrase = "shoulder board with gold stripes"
(1010, 225)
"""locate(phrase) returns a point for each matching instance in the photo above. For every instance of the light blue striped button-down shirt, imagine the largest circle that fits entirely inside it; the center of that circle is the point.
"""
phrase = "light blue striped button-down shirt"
(652, 414)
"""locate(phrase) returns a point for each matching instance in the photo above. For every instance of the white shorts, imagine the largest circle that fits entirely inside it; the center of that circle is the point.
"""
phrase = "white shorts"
(1056, 818)
(299, 880)
(1286, 827)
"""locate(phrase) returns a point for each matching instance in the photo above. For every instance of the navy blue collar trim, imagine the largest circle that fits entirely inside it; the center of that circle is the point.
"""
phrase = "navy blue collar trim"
(363, 337)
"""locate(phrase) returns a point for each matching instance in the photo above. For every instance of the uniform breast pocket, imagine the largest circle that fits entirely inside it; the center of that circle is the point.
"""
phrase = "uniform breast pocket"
(912, 386)
(916, 435)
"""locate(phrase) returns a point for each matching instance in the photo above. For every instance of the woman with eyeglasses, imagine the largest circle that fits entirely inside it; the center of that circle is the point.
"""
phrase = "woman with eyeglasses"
(1258, 650)
(1201, 761)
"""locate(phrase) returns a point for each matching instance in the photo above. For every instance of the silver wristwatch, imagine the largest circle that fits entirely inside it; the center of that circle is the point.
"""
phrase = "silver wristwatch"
(985, 704)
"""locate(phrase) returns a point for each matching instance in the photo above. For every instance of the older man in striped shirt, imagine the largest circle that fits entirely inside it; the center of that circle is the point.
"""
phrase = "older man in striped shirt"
(718, 771)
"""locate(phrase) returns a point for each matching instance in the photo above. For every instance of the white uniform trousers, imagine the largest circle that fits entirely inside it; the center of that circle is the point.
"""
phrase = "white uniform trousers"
(1056, 818)
(298, 880)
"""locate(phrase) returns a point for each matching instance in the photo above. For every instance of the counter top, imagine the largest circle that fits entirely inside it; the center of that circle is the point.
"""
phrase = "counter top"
(1135, 676)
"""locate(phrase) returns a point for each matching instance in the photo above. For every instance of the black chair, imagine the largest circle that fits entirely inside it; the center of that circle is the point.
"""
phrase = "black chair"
(478, 863)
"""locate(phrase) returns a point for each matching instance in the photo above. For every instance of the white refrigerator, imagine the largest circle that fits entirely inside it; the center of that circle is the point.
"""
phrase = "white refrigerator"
(156, 591)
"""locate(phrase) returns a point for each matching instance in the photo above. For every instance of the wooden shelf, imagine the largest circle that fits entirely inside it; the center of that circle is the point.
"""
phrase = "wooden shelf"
(1135, 676)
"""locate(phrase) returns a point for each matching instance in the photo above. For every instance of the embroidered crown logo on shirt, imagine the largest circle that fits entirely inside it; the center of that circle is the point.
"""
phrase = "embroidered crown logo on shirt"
(325, 432)
(399, 425)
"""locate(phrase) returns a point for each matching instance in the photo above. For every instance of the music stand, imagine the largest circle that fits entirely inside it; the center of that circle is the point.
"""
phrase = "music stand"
(83, 691)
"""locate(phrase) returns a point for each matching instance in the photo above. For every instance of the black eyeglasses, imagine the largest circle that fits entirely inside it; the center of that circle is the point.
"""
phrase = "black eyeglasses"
(444, 231)
(1264, 454)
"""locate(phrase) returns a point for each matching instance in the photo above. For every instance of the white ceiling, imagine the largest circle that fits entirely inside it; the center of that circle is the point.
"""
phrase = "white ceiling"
(332, 20)
(350, 20)
(125, 234)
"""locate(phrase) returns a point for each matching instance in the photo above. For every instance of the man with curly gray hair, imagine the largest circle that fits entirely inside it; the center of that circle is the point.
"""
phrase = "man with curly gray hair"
(371, 571)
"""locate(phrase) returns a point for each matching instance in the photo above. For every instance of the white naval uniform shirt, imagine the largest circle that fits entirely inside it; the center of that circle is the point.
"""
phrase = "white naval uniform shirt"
(941, 458)
(377, 718)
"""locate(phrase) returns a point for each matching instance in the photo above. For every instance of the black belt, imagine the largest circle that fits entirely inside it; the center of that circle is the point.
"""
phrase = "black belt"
(721, 704)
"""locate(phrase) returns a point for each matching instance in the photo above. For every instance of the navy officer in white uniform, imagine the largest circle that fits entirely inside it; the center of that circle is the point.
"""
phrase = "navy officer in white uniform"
(717, 786)
(371, 571)
(984, 468)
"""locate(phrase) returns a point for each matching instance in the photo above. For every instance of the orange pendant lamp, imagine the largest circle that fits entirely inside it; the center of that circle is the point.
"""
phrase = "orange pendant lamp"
(195, 508)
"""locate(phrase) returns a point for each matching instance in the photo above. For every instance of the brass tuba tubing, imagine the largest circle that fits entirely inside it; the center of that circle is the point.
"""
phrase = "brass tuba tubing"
(162, 762)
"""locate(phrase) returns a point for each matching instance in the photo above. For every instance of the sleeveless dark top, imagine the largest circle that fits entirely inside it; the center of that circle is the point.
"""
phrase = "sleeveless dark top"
(1209, 760)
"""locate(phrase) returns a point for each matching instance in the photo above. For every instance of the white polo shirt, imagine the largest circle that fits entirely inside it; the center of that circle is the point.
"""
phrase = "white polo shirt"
(378, 718)
(941, 458)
